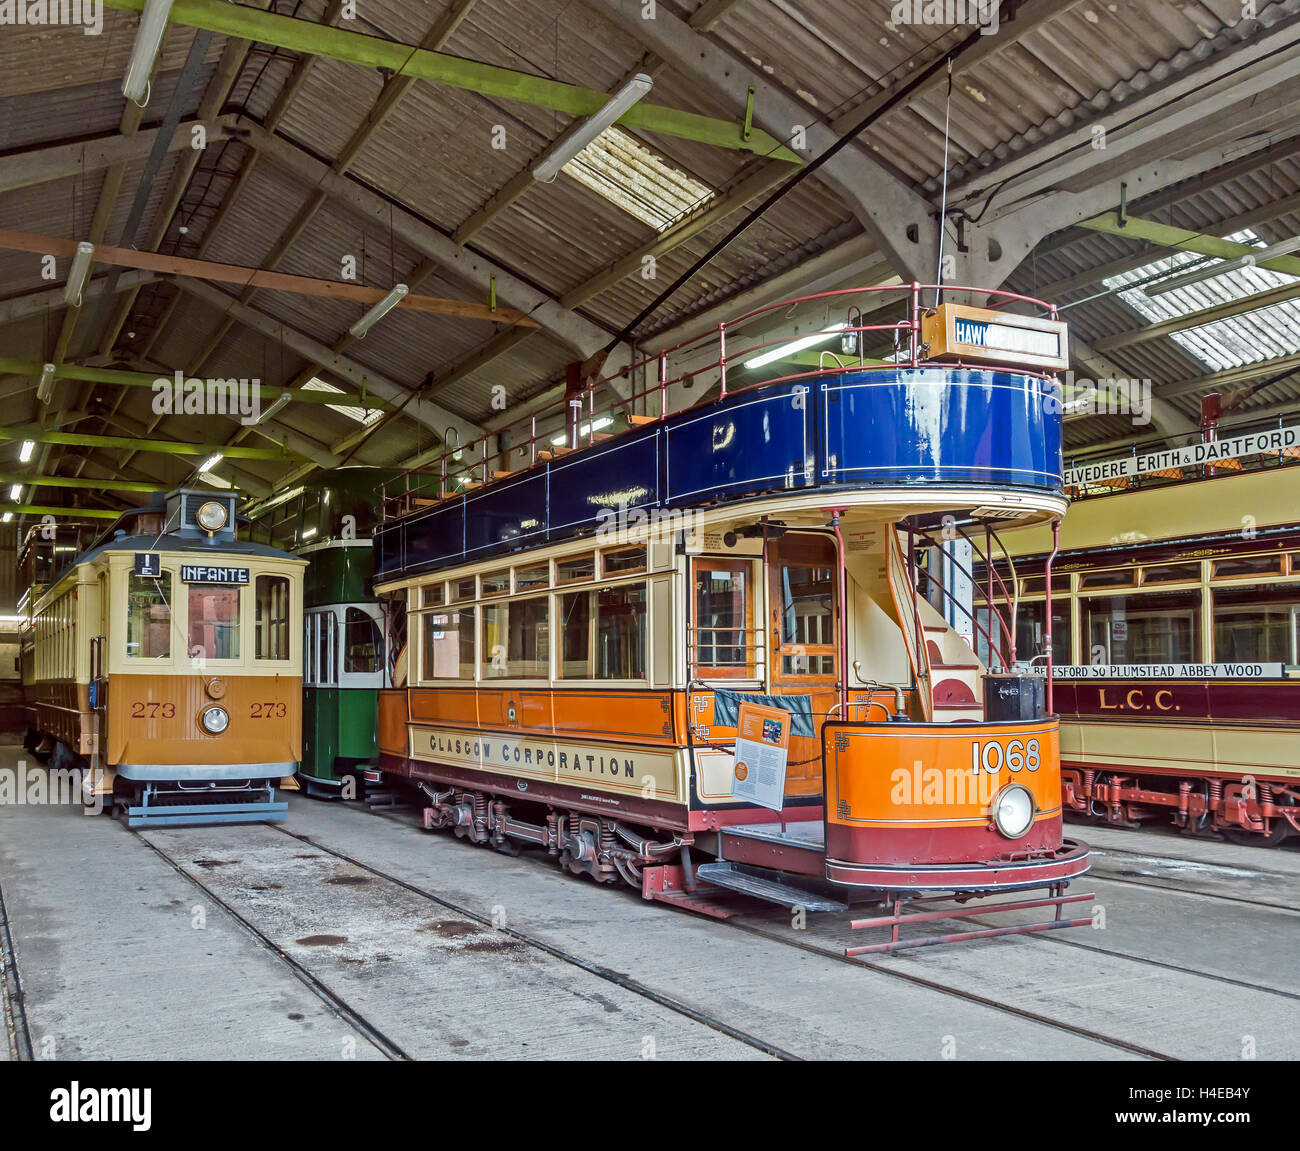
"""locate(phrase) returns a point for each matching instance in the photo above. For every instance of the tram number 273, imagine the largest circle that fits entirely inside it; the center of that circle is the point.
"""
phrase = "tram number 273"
(993, 755)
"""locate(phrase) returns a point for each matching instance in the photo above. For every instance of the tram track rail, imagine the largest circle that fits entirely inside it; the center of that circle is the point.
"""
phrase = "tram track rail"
(17, 1033)
(387, 1045)
(831, 953)
(344, 1010)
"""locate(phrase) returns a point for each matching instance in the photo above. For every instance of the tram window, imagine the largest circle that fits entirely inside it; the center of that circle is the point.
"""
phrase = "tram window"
(214, 622)
(433, 594)
(326, 672)
(575, 635)
(1172, 573)
(495, 583)
(576, 569)
(361, 642)
(516, 639)
(148, 617)
(462, 589)
(1034, 585)
(449, 644)
(1029, 630)
(309, 648)
(1257, 623)
(807, 618)
(620, 632)
(272, 617)
(1163, 627)
(1119, 577)
(723, 618)
(622, 561)
(603, 634)
(526, 579)
(1248, 566)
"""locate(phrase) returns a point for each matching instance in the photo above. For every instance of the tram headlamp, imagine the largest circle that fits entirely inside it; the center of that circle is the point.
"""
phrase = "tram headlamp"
(211, 516)
(1013, 810)
(215, 720)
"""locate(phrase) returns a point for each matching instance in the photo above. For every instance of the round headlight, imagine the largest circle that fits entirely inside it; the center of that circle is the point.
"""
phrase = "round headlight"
(211, 516)
(1013, 810)
(215, 720)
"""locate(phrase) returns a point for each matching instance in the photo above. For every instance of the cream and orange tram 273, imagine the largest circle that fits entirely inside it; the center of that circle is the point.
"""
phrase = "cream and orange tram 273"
(167, 667)
(723, 652)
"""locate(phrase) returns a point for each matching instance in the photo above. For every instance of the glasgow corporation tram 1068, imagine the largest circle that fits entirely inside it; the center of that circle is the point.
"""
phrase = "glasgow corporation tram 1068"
(592, 615)
(167, 663)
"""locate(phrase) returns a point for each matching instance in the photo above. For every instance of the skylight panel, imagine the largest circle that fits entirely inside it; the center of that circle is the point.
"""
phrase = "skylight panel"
(365, 416)
(1229, 343)
(627, 173)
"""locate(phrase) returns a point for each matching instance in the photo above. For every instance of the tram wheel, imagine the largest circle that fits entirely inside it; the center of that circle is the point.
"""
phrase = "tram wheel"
(1243, 838)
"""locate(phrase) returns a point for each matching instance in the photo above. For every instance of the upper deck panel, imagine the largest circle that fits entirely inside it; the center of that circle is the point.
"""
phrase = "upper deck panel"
(836, 431)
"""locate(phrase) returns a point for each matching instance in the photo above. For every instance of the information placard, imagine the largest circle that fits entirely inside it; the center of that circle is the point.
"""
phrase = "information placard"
(762, 748)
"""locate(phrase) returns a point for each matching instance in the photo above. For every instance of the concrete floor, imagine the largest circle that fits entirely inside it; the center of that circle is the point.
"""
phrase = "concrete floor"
(122, 956)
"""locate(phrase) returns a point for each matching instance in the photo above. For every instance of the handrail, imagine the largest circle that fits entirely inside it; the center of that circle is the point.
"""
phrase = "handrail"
(1005, 659)
(578, 427)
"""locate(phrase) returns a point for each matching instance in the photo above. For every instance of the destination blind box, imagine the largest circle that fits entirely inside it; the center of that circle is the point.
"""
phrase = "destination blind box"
(983, 335)
(209, 573)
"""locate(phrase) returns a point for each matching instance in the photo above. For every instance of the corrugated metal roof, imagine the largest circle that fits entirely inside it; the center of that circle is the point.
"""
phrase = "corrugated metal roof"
(434, 157)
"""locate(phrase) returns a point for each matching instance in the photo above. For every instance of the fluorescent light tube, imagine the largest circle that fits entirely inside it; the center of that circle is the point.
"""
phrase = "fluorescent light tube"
(77, 273)
(6, 518)
(586, 429)
(276, 404)
(25, 452)
(549, 165)
(148, 39)
(798, 345)
(211, 462)
(379, 311)
(1283, 248)
(308, 533)
(45, 389)
(16, 492)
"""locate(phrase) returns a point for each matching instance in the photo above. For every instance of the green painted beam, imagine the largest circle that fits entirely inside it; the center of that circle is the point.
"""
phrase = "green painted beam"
(71, 513)
(86, 482)
(1181, 239)
(164, 447)
(124, 379)
(470, 75)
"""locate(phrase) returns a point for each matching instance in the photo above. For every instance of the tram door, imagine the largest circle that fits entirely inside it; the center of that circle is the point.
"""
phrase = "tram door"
(803, 622)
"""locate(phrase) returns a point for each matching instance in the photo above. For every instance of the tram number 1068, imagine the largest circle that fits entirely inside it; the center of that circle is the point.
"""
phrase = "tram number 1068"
(992, 755)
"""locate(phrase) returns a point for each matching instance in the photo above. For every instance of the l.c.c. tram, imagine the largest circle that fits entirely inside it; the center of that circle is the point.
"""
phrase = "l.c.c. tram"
(1179, 646)
(165, 660)
(583, 630)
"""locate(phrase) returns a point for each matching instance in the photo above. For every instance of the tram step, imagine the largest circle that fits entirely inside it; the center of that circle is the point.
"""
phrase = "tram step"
(770, 886)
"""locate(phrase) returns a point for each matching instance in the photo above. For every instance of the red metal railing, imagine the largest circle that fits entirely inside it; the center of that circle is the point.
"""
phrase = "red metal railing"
(467, 466)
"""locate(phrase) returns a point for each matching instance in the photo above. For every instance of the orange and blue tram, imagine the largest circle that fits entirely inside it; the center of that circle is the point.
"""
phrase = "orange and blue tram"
(590, 615)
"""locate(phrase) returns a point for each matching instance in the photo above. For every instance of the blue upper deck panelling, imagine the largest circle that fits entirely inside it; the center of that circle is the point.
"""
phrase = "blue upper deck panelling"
(844, 430)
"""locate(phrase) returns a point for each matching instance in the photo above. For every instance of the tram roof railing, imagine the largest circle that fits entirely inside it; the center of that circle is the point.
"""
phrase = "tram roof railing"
(576, 422)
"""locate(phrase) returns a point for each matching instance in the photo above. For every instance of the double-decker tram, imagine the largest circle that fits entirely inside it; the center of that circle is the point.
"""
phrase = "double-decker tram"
(330, 525)
(1177, 651)
(166, 665)
(682, 647)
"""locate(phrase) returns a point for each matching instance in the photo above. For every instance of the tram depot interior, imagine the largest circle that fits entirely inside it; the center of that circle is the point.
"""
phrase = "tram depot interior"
(695, 529)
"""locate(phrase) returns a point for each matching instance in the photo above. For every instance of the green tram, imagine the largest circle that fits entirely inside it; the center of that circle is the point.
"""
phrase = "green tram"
(330, 525)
